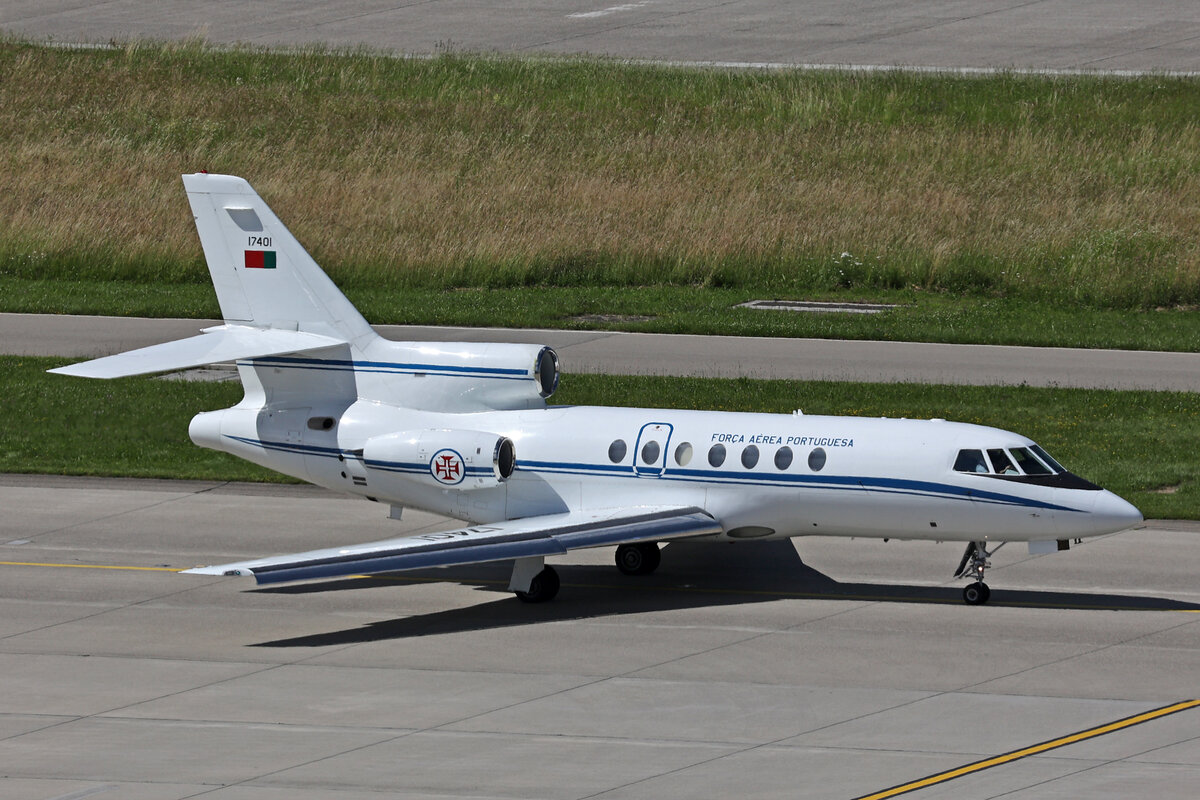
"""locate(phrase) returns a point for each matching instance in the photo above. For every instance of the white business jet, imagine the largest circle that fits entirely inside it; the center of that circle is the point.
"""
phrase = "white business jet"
(464, 430)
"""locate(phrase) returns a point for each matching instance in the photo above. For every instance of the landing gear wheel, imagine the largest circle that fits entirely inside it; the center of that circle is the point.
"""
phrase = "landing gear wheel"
(638, 559)
(976, 594)
(543, 587)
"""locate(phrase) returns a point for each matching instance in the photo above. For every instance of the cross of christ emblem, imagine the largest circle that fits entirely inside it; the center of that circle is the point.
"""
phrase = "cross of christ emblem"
(447, 467)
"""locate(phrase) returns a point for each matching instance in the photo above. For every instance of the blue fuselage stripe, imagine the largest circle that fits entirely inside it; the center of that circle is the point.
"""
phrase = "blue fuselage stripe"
(891, 486)
(346, 365)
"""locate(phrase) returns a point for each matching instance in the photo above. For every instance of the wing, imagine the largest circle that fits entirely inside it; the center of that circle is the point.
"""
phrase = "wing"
(550, 535)
(214, 346)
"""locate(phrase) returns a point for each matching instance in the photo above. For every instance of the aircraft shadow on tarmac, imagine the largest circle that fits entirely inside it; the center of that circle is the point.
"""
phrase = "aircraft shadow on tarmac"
(691, 576)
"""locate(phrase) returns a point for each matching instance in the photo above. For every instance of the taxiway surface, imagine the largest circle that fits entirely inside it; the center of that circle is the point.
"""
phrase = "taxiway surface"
(1155, 35)
(617, 353)
(735, 671)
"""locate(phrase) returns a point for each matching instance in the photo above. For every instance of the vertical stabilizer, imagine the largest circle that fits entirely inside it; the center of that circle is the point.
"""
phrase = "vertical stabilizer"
(263, 276)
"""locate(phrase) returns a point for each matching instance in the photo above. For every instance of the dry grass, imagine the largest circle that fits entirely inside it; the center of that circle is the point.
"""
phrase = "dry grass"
(464, 171)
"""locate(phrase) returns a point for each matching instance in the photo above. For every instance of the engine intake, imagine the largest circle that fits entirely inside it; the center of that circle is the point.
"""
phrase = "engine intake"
(452, 458)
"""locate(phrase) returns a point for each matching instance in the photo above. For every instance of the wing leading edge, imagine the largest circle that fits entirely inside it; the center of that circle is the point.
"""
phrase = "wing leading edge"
(550, 535)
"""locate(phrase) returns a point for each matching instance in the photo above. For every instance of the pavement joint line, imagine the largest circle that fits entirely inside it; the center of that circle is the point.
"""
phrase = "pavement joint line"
(34, 537)
(751, 747)
(1072, 657)
(846, 597)
(632, 673)
(398, 736)
(1032, 750)
(1103, 763)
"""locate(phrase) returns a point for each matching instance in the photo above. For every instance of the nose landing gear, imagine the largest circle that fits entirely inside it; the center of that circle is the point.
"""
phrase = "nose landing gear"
(974, 563)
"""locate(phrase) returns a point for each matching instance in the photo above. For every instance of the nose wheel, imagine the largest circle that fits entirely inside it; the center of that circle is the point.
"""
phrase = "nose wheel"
(974, 563)
(976, 594)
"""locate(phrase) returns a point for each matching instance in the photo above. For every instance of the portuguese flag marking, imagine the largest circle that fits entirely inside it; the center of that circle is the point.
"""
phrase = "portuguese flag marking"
(260, 259)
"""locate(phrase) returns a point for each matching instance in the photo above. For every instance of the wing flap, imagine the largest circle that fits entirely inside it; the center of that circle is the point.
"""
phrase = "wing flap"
(214, 346)
(534, 536)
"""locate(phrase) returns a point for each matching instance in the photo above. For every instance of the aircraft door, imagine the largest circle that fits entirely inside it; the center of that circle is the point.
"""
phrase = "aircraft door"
(650, 452)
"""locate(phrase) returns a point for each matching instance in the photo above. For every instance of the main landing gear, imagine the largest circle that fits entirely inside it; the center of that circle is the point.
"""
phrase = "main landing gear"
(543, 587)
(532, 581)
(638, 559)
(974, 563)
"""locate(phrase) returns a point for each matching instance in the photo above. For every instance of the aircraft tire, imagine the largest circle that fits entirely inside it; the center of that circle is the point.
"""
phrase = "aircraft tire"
(543, 587)
(638, 559)
(976, 594)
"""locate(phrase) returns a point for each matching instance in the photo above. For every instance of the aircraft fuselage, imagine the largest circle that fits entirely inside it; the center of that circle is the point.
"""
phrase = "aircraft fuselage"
(760, 475)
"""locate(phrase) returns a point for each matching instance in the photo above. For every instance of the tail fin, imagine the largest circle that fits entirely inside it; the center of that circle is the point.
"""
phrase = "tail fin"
(263, 276)
(273, 296)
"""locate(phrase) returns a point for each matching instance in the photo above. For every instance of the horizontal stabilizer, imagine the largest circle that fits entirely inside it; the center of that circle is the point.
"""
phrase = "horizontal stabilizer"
(550, 535)
(214, 346)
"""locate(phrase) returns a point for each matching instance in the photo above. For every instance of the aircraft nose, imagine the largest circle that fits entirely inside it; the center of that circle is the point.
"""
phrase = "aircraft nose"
(1112, 513)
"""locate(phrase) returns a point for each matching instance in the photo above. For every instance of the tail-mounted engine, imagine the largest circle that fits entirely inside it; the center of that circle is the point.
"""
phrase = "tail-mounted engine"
(458, 376)
(451, 458)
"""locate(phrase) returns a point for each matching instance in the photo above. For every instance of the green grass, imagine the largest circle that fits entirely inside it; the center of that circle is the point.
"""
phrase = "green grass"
(1141, 445)
(469, 172)
(662, 309)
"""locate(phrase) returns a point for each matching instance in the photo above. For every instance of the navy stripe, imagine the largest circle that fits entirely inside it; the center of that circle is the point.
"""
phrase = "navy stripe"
(346, 365)
(891, 486)
(334, 452)
(294, 447)
(836, 482)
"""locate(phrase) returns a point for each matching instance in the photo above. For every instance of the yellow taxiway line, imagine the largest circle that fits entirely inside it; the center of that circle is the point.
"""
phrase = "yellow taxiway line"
(1033, 750)
(86, 566)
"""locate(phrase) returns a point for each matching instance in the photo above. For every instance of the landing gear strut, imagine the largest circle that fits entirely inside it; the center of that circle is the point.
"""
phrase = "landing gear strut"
(532, 581)
(543, 587)
(638, 559)
(974, 563)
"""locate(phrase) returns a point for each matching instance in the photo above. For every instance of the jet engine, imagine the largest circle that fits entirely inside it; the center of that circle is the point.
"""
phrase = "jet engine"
(460, 376)
(452, 458)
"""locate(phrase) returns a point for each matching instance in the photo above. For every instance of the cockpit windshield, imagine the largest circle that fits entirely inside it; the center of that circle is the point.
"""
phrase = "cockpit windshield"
(1007, 461)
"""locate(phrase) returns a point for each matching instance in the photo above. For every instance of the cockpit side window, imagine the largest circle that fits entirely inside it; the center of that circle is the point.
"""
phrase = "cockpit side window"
(970, 461)
(1021, 462)
(1028, 463)
(1047, 460)
(1001, 463)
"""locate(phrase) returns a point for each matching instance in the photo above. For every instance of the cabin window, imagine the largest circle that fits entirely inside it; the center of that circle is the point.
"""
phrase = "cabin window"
(783, 458)
(683, 454)
(650, 452)
(616, 451)
(816, 459)
(750, 456)
(716, 455)
(1028, 462)
(970, 461)
(1001, 463)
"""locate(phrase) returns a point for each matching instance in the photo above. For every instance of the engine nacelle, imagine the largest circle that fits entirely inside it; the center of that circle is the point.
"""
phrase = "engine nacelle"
(458, 376)
(452, 458)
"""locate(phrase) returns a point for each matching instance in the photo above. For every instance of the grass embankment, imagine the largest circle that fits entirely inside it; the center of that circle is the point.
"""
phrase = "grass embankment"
(1017, 197)
(1141, 445)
